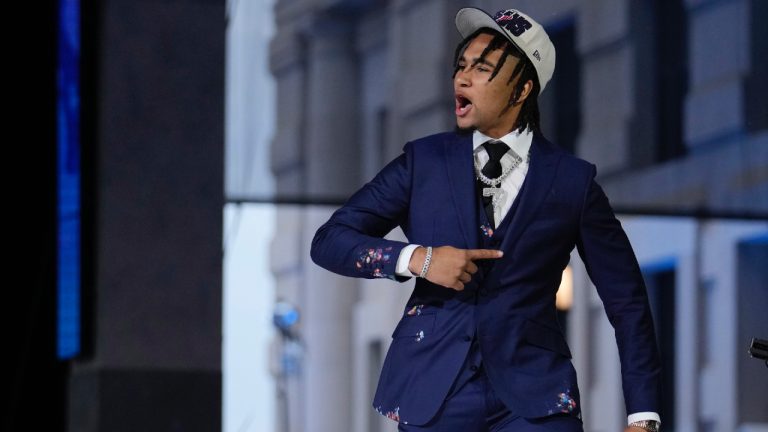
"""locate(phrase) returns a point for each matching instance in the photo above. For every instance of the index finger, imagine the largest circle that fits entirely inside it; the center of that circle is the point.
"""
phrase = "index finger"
(475, 254)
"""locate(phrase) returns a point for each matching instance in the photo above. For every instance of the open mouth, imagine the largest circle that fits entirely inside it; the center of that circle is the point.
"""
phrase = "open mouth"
(463, 105)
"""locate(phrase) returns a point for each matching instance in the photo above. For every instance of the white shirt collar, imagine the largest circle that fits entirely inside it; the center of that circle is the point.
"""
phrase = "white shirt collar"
(520, 142)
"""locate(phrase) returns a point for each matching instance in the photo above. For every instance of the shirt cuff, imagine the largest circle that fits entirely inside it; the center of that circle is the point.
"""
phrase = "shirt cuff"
(646, 415)
(401, 268)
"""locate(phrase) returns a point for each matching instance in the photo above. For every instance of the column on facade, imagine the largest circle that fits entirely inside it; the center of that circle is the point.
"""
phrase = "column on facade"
(607, 84)
(152, 241)
(332, 161)
(719, 64)
(423, 39)
(288, 66)
(607, 108)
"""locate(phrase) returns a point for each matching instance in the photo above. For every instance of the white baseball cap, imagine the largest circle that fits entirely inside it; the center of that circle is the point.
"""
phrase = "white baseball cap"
(525, 33)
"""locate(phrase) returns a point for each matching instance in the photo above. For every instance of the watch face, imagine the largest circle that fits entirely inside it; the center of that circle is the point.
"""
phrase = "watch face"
(649, 425)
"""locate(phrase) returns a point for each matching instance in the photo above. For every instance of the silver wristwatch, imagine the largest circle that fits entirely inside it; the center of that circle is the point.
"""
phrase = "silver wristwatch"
(649, 425)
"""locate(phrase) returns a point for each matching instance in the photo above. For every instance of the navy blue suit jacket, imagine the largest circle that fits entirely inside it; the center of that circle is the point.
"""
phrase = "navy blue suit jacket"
(429, 191)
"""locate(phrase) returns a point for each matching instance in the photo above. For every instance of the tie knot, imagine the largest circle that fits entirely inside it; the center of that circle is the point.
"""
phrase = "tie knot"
(496, 149)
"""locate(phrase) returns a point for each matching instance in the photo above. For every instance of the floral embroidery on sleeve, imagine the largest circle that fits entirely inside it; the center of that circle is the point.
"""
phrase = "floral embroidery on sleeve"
(373, 260)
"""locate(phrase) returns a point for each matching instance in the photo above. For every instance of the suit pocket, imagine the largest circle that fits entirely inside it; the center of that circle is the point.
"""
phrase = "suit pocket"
(415, 326)
(545, 337)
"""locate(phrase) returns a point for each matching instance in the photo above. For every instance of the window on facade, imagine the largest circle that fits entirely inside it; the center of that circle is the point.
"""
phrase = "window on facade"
(752, 292)
(660, 283)
(659, 37)
(560, 103)
(756, 104)
(671, 70)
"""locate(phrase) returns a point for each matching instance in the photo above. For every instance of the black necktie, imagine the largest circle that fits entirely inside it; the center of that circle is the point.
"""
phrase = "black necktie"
(496, 150)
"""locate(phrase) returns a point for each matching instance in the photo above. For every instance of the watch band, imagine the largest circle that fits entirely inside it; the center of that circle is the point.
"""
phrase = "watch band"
(649, 425)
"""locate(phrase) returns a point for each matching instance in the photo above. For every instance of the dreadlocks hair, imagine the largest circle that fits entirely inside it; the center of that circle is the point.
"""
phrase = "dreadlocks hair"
(529, 112)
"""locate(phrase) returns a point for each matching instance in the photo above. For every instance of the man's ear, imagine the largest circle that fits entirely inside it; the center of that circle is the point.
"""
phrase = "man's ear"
(527, 89)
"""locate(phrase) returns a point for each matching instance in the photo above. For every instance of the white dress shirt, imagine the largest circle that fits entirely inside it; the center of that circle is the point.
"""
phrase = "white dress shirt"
(520, 143)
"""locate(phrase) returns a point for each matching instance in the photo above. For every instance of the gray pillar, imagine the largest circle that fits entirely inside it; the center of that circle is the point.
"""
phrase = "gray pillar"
(316, 154)
(607, 84)
(422, 87)
(332, 169)
(288, 66)
(332, 107)
(715, 101)
(152, 272)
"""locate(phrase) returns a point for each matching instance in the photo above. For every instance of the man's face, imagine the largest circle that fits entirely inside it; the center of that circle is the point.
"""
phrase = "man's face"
(481, 104)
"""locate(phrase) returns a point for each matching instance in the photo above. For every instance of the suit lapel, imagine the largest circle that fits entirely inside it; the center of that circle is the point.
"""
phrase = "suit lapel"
(538, 181)
(461, 176)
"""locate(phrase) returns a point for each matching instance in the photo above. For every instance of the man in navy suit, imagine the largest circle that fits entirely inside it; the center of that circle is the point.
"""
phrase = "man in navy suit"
(492, 212)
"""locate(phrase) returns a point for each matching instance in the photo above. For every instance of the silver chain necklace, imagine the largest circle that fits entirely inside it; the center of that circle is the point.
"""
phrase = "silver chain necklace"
(493, 182)
(494, 191)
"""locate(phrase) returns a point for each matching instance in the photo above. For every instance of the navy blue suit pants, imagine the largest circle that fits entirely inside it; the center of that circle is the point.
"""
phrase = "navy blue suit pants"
(474, 407)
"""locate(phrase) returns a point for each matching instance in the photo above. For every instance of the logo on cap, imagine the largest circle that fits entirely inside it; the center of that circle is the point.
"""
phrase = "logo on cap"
(512, 21)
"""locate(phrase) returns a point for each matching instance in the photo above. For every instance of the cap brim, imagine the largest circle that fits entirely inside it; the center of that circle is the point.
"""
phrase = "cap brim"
(469, 20)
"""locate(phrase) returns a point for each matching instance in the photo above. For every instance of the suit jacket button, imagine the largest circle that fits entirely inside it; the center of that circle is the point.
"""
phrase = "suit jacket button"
(467, 338)
(473, 368)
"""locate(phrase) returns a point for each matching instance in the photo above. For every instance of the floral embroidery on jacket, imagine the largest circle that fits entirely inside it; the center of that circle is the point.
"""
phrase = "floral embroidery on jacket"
(415, 310)
(487, 230)
(392, 415)
(565, 403)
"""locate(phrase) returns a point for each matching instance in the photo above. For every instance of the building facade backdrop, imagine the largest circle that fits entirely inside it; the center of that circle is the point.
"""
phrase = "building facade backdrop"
(667, 98)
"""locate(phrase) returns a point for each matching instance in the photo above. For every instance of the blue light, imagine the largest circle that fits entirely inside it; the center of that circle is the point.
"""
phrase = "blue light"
(68, 180)
(285, 316)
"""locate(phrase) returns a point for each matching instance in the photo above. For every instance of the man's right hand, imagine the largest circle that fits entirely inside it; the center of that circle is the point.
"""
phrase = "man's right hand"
(450, 267)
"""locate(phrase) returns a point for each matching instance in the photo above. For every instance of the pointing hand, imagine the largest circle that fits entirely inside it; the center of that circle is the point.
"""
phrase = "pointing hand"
(450, 267)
